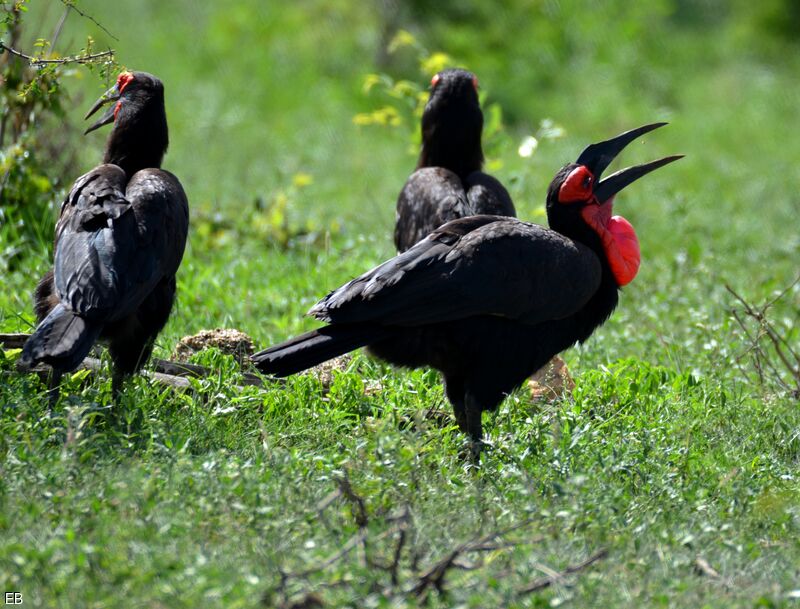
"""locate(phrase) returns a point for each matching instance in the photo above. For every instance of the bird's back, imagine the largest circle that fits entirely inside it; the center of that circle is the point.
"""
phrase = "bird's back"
(117, 241)
(433, 196)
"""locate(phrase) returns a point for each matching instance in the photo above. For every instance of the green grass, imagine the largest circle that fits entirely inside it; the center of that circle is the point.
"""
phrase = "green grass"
(668, 450)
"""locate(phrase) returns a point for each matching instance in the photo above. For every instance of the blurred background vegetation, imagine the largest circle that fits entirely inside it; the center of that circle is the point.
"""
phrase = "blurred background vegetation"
(295, 124)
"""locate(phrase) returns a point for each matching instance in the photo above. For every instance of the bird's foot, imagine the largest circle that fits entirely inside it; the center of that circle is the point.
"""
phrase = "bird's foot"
(473, 450)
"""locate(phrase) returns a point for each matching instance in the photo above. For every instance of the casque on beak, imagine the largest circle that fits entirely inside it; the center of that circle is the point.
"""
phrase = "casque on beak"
(108, 97)
(597, 157)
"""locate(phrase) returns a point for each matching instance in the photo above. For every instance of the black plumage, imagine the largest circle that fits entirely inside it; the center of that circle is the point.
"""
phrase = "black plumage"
(448, 182)
(487, 300)
(119, 241)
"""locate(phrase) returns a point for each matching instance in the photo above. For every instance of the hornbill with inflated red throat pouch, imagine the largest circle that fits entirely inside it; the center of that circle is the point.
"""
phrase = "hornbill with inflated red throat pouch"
(488, 300)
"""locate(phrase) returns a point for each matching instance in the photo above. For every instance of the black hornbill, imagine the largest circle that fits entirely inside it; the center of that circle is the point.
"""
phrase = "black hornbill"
(119, 241)
(448, 182)
(488, 300)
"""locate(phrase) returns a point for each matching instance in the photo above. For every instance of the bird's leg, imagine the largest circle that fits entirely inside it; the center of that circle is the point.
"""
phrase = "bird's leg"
(454, 390)
(128, 354)
(474, 430)
(117, 381)
(54, 388)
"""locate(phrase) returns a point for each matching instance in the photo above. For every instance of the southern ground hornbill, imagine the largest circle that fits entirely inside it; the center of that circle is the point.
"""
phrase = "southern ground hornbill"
(487, 300)
(448, 182)
(118, 244)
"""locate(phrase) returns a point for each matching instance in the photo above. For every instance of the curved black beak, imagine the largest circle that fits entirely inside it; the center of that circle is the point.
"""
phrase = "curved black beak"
(597, 157)
(611, 185)
(109, 96)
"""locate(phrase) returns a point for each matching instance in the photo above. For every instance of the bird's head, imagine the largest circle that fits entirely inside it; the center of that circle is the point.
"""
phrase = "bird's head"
(136, 107)
(134, 92)
(453, 86)
(452, 122)
(579, 203)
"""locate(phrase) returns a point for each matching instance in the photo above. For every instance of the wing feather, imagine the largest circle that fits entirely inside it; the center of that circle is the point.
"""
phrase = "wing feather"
(115, 240)
(486, 195)
(479, 265)
(431, 197)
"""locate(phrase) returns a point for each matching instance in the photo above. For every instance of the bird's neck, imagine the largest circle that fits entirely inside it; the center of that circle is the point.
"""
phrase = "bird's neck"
(140, 143)
(605, 299)
(450, 145)
(600, 306)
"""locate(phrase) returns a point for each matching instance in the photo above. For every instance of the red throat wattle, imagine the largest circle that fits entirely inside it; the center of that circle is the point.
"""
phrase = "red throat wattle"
(619, 241)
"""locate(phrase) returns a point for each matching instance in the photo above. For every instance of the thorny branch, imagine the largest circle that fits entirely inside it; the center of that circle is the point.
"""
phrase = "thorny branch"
(434, 577)
(788, 356)
(356, 500)
(421, 582)
(38, 61)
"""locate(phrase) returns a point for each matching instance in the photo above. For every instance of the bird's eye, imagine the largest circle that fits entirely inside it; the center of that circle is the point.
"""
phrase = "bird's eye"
(475, 82)
(577, 186)
(434, 80)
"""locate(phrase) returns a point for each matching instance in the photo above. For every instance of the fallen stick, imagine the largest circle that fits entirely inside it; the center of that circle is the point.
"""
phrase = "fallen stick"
(164, 372)
(13, 341)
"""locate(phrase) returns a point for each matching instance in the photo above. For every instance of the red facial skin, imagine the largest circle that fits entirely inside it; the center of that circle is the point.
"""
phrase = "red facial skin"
(619, 240)
(435, 80)
(577, 187)
(123, 80)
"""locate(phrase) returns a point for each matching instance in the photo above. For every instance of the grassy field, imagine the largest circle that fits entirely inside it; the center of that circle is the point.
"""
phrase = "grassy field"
(671, 463)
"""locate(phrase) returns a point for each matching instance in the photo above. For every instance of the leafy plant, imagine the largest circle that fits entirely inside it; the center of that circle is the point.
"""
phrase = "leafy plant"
(404, 100)
(275, 219)
(36, 150)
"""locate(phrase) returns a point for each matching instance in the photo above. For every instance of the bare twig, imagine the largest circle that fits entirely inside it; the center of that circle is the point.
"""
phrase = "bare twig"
(71, 4)
(95, 365)
(434, 577)
(703, 567)
(328, 500)
(13, 341)
(549, 580)
(786, 354)
(351, 543)
(164, 371)
(403, 521)
(782, 293)
(37, 61)
(360, 511)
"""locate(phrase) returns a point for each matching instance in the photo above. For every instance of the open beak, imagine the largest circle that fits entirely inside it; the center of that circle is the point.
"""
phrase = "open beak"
(597, 157)
(108, 97)
(611, 185)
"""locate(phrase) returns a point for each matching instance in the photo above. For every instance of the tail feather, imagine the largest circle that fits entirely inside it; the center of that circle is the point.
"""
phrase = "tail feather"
(312, 348)
(62, 340)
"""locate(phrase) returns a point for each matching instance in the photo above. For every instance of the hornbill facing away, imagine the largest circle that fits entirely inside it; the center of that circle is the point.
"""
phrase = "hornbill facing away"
(119, 241)
(448, 182)
(488, 300)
